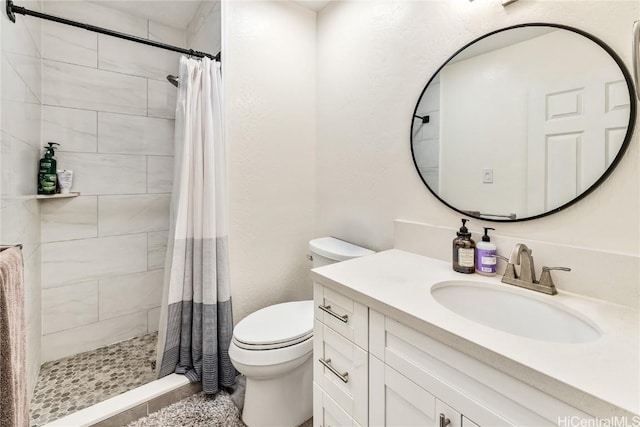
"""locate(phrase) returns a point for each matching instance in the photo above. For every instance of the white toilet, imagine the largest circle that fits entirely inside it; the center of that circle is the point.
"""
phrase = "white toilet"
(272, 347)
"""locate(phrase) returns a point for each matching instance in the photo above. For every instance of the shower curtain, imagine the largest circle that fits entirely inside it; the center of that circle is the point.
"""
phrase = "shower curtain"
(196, 320)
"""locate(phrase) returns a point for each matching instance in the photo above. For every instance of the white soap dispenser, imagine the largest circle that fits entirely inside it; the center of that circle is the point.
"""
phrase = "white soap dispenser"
(486, 255)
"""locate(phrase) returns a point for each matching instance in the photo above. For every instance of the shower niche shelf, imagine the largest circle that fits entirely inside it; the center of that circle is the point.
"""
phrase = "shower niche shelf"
(56, 196)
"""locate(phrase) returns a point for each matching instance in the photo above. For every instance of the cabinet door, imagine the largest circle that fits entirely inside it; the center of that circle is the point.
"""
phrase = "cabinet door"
(341, 368)
(327, 413)
(466, 422)
(394, 400)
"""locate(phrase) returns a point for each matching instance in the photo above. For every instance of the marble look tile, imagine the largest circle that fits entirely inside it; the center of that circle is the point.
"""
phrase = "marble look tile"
(168, 35)
(34, 26)
(18, 38)
(33, 318)
(70, 306)
(29, 70)
(431, 130)
(19, 167)
(105, 173)
(67, 85)
(130, 293)
(426, 152)
(153, 319)
(159, 174)
(204, 32)
(162, 99)
(32, 290)
(69, 219)
(174, 396)
(95, 335)
(199, 18)
(20, 223)
(136, 59)
(21, 120)
(88, 259)
(157, 249)
(126, 134)
(125, 417)
(98, 13)
(133, 214)
(75, 129)
(13, 87)
(69, 44)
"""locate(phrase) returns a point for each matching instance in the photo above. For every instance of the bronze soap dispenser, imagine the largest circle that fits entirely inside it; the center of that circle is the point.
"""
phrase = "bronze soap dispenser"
(464, 251)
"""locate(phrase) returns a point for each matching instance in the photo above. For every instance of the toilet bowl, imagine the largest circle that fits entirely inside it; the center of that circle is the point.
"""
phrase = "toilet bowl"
(273, 346)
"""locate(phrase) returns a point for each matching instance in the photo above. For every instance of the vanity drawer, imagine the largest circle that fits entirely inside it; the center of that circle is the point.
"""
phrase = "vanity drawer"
(344, 315)
(327, 413)
(340, 368)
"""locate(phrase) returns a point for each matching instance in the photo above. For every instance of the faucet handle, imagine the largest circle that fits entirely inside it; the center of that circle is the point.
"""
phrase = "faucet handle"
(545, 277)
(556, 268)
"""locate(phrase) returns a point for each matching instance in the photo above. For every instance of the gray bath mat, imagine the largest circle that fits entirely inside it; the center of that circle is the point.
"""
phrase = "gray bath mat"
(199, 410)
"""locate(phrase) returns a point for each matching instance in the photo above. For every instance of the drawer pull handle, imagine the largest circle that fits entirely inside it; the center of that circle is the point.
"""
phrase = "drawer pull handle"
(327, 364)
(444, 422)
(327, 309)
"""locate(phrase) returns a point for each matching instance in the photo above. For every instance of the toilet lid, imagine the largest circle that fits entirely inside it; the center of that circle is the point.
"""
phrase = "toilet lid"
(276, 326)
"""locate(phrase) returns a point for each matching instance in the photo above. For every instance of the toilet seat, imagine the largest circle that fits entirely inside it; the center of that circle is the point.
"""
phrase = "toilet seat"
(274, 327)
(272, 346)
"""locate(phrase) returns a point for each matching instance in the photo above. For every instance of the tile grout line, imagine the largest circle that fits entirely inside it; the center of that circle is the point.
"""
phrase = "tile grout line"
(66, 107)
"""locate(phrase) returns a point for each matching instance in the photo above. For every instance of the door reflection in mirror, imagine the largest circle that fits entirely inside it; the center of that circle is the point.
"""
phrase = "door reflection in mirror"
(546, 108)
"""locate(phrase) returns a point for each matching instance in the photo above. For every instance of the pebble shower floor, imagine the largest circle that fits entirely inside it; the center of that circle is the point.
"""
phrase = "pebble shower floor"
(76, 382)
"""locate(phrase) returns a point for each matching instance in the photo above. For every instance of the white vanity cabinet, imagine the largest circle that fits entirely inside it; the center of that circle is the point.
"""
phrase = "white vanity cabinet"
(340, 360)
(405, 364)
(370, 369)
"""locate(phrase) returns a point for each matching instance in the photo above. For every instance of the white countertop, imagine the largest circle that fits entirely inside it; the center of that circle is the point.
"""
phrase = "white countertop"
(604, 373)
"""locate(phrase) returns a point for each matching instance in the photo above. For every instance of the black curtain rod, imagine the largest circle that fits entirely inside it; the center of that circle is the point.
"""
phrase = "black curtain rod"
(12, 9)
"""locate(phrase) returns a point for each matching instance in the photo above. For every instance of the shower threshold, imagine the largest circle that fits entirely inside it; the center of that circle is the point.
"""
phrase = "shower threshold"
(132, 405)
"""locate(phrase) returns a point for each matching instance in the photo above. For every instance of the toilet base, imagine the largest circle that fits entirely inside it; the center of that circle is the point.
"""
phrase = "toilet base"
(283, 401)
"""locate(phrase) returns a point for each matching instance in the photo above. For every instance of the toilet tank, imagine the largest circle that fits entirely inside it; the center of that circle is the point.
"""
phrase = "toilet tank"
(328, 250)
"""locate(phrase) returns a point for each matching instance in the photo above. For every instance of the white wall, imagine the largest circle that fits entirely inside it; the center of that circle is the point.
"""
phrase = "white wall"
(269, 75)
(20, 151)
(375, 57)
(109, 105)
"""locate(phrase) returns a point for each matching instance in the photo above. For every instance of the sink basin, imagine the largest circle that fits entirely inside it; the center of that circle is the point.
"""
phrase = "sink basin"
(513, 313)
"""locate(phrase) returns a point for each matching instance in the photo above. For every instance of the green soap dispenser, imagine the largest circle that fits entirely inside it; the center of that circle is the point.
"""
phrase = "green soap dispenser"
(47, 178)
(464, 251)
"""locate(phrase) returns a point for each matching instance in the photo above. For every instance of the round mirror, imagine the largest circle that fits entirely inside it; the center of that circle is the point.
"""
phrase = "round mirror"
(523, 122)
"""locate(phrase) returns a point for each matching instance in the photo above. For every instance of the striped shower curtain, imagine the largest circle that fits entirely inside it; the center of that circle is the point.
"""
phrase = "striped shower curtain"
(196, 320)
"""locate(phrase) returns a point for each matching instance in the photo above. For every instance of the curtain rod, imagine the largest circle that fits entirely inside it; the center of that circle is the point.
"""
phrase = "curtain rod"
(12, 9)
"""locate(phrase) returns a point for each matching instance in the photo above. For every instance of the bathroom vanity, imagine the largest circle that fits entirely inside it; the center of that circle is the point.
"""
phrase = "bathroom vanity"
(392, 346)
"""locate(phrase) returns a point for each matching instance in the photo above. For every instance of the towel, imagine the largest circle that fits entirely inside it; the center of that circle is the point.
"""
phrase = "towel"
(14, 407)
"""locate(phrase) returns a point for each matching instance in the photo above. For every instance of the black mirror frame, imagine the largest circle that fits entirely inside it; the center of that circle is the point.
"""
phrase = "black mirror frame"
(603, 177)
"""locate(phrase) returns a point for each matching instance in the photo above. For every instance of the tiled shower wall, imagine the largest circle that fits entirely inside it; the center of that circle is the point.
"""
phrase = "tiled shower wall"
(19, 153)
(108, 103)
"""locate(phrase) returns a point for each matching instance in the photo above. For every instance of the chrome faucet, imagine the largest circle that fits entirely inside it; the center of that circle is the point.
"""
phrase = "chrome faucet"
(521, 255)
